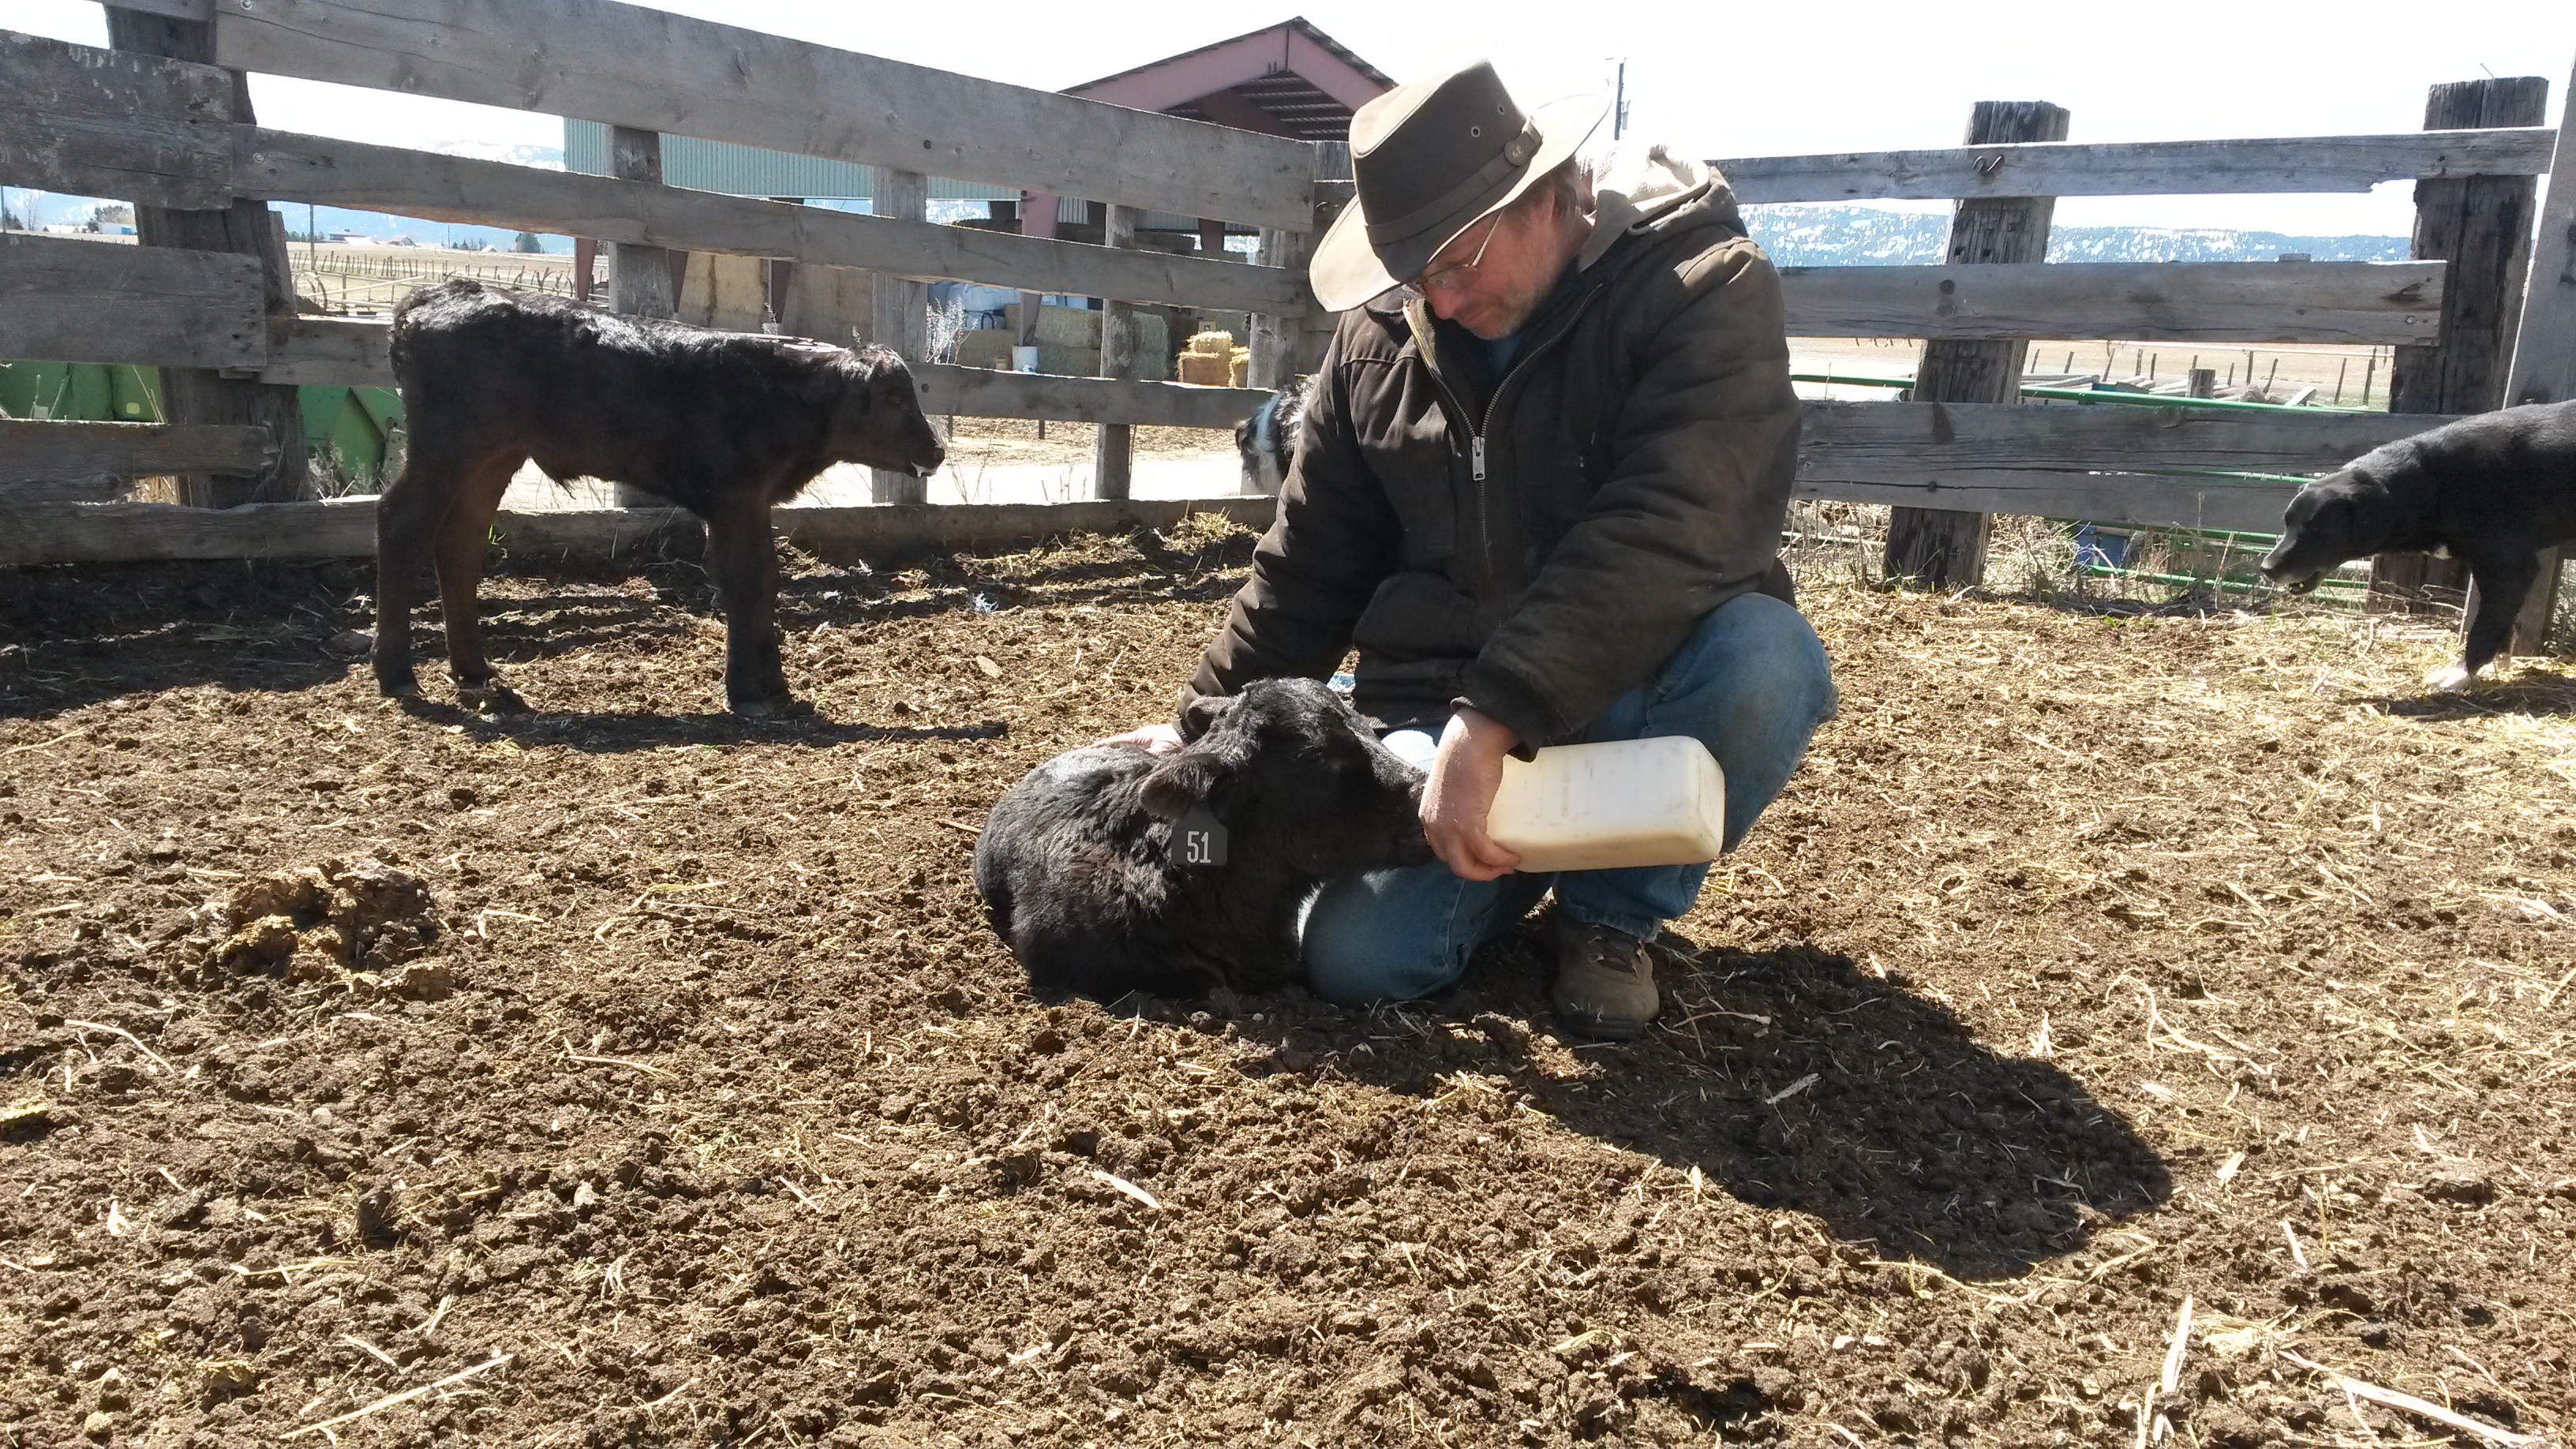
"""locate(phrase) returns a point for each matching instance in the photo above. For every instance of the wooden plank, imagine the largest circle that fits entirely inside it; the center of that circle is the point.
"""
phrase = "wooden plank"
(346, 528)
(2127, 500)
(72, 461)
(1112, 450)
(630, 66)
(243, 228)
(2544, 353)
(315, 352)
(1893, 442)
(977, 393)
(2152, 168)
(352, 354)
(123, 532)
(2348, 302)
(1940, 547)
(643, 280)
(282, 166)
(66, 300)
(96, 122)
(902, 319)
(173, 9)
(2481, 226)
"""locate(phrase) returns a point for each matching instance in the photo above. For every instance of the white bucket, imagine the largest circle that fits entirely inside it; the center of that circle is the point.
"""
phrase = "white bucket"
(1621, 803)
(1024, 359)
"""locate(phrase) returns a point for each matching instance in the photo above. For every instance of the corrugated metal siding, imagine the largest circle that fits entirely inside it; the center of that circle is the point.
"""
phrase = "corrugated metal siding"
(751, 171)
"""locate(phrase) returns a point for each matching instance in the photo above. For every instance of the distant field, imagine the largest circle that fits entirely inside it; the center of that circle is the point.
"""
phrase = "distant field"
(2321, 367)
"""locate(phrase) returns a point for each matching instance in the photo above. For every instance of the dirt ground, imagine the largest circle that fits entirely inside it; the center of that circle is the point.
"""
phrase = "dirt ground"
(2123, 1015)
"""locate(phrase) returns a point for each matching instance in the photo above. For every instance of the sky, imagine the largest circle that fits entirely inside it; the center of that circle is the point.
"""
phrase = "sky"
(1754, 80)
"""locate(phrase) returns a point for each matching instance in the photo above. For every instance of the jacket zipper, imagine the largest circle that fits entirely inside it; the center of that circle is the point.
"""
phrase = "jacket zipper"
(1477, 430)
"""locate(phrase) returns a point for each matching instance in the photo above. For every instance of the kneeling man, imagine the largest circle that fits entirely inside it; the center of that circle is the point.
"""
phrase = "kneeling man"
(1541, 486)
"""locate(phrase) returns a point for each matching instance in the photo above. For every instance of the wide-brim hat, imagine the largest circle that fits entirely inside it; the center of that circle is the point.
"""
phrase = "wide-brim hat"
(1433, 158)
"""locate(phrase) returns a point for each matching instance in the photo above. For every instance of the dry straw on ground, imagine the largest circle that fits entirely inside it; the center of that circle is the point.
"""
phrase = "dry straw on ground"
(2099, 959)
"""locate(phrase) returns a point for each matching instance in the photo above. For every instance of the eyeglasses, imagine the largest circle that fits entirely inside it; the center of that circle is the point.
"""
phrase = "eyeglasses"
(1455, 276)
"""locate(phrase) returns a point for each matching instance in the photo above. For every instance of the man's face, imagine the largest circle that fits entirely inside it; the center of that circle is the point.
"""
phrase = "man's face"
(1493, 275)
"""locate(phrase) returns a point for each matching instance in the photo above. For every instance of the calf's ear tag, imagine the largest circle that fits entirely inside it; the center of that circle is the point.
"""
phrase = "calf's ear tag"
(1198, 838)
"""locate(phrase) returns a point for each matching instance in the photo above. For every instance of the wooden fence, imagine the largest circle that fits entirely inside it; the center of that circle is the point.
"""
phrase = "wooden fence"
(170, 130)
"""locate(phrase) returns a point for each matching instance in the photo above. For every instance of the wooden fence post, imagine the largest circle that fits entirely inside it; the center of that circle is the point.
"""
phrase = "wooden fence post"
(1941, 547)
(1112, 462)
(640, 278)
(1315, 327)
(197, 395)
(2544, 353)
(2481, 226)
(902, 317)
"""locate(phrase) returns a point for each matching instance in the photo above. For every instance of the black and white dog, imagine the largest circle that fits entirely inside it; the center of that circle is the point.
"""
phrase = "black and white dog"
(2496, 490)
(1268, 439)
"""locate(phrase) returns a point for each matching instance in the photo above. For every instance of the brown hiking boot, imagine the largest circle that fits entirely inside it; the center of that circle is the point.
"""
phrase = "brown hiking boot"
(1605, 981)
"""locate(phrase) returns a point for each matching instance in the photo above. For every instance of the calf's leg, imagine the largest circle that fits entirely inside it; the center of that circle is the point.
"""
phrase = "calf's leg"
(407, 522)
(744, 561)
(2502, 583)
(462, 555)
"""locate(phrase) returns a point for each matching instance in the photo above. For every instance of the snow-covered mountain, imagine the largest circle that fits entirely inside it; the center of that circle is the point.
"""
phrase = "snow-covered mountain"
(1829, 235)
(549, 158)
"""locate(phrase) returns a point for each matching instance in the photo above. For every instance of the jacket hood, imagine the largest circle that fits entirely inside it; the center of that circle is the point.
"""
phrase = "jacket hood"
(1642, 187)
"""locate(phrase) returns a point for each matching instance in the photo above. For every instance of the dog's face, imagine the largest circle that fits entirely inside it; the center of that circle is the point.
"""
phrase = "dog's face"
(2338, 518)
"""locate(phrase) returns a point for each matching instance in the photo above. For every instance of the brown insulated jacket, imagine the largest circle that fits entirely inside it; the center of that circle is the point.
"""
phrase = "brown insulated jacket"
(1537, 547)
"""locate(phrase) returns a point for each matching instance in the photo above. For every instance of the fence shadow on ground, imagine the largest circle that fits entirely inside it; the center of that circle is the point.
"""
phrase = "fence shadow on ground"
(1792, 1080)
(610, 732)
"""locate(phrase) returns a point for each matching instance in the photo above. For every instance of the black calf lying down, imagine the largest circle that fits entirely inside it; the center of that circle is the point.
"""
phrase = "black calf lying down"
(2495, 490)
(724, 424)
(1081, 869)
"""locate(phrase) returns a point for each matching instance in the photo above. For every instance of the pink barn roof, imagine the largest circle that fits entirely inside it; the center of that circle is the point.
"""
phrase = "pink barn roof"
(1289, 79)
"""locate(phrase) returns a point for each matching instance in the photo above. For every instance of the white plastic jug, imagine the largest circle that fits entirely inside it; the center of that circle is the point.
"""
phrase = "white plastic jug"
(1659, 801)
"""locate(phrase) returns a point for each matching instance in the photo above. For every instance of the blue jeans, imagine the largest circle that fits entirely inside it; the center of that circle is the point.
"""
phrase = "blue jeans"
(1751, 683)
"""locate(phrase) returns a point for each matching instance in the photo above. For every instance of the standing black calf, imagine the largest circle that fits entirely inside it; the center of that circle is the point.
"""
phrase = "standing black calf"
(1076, 862)
(724, 424)
(2495, 489)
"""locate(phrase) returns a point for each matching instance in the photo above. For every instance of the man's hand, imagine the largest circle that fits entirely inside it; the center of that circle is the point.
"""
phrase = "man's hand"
(1158, 739)
(1464, 776)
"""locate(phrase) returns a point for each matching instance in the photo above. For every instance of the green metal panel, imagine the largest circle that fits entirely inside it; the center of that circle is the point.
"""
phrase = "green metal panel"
(84, 392)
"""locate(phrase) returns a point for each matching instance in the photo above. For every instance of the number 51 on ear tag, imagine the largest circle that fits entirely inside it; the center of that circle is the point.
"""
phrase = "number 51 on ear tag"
(1198, 838)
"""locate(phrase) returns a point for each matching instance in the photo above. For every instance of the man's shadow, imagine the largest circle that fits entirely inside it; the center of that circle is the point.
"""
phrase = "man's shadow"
(1793, 1080)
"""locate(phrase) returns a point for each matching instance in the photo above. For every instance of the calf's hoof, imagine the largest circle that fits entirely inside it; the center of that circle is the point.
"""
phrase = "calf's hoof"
(405, 685)
(2449, 679)
(770, 706)
(490, 696)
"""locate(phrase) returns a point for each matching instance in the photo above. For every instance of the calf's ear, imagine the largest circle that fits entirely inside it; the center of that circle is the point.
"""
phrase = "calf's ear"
(1189, 776)
(1181, 781)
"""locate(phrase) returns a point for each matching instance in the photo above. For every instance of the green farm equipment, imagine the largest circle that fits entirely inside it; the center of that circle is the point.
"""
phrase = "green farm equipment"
(351, 429)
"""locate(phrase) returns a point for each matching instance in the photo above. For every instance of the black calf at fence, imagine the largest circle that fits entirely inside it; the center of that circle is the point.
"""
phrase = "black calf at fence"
(727, 425)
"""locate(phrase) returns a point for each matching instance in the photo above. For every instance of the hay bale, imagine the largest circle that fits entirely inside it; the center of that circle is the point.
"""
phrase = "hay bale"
(1206, 370)
(1211, 344)
(1068, 327)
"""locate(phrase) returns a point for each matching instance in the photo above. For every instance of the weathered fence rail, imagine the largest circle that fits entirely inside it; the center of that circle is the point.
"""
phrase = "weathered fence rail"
(157, 291)
(2141, 168)
(651, 70)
